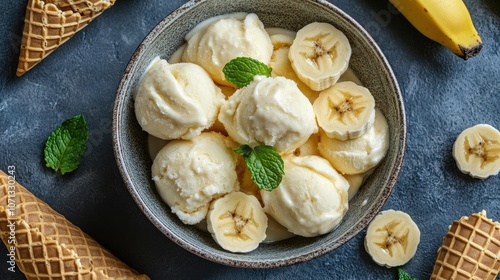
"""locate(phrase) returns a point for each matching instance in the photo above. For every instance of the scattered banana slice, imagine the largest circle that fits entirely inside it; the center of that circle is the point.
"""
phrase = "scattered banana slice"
(392, 238)
(345, 110)
(319, 54)
(357, 155)
(237, 222)
(477, 151)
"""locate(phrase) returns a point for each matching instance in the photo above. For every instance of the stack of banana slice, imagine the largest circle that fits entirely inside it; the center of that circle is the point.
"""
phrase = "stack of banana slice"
(354, 134)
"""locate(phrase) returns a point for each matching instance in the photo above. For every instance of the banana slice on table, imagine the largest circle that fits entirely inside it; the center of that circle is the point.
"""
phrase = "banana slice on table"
(345, 110)
(392, 238)
(319, 55)
(237, 222)
(477, 151)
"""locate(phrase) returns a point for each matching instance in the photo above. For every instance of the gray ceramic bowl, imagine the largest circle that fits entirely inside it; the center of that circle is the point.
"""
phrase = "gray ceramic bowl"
(368, 63)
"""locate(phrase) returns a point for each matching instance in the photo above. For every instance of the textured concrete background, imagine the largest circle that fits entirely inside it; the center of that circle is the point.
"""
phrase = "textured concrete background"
(443, 95)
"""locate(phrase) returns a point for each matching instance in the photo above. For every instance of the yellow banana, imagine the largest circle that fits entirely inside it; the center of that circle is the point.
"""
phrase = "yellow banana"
(447, 22)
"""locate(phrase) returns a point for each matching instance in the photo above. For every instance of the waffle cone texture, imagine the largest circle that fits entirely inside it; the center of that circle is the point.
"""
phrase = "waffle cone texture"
(47, 245)
(470, 250)
(50, 23)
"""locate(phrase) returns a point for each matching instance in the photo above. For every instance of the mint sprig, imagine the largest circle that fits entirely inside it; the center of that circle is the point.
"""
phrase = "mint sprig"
(242, 70)
(66, 145)
(403, 275)
(265, 165)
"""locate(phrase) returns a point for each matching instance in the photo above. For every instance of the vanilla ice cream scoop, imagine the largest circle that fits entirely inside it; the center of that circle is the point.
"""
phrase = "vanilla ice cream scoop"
(312, 198)
(189, 174)
(270, 111)
(226, 38)
(176, 100)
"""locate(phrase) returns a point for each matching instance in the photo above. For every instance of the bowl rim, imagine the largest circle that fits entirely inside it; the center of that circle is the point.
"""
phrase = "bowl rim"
(343, 239)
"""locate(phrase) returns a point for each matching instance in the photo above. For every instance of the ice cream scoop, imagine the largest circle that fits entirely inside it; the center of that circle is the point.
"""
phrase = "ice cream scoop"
(176, 100)
(311, 199)
(189, 174)
(220, 40)
(270, 111)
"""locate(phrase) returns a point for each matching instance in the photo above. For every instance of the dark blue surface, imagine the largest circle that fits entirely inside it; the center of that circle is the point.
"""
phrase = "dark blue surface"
(443, 95)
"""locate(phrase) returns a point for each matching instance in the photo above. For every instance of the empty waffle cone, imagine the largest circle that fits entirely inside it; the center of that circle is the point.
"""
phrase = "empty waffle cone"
(470, 250)
(49, 24)
(47, 246)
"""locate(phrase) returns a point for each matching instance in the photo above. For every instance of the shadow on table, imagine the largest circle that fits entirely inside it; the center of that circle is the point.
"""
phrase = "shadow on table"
(493, 5)
(385, 18)
(14, 43)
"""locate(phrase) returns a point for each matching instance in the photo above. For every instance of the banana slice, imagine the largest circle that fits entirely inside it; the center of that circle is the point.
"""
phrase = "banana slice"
(477, 151)
(345, 110)
(319, 55)
(280, 37)
(357, 155)
(237, 222)
(392, 238)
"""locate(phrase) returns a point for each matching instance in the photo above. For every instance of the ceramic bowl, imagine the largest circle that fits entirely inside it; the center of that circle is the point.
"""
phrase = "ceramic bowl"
(134, 162)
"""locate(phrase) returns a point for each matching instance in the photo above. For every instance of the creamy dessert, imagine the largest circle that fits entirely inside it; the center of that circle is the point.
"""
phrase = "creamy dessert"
(270, 111)
(312, 198)
(176, 100)
(320, 121)
(219, 40)
(189, 174)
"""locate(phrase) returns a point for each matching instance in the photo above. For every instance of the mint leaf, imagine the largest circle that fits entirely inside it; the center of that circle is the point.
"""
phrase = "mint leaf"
(241, 70)
(66, 145)
(265, 165)
(402, 275)
(243, 150)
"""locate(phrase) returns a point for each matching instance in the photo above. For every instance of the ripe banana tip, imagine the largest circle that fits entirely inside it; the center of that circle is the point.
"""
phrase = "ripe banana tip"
(470, 52)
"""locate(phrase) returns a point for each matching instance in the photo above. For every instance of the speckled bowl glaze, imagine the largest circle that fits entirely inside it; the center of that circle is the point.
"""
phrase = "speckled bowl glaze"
(130, 142)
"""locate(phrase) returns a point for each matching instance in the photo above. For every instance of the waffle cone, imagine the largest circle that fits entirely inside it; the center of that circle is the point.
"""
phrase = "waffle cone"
(470, 250)
(47, 246)
(49, 24)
